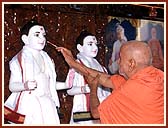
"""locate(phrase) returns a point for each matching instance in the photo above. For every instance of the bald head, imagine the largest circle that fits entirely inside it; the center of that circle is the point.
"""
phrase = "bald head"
(134, 56)
(139, 51)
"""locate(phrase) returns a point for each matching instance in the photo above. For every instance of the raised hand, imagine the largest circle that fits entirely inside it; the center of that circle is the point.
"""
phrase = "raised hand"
(67, 55)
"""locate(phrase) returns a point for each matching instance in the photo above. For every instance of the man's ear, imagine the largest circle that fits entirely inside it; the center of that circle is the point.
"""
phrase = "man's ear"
(80, 48)
(132, 64)
(25, 39)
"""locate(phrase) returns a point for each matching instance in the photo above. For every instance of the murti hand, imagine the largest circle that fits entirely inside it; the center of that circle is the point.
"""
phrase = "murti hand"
(30, 85)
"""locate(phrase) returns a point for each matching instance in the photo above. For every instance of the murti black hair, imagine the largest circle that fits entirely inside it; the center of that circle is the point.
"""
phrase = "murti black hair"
(25, 29)
(81, 37)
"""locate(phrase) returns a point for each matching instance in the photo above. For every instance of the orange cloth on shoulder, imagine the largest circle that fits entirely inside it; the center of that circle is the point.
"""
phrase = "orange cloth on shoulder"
(139, 100)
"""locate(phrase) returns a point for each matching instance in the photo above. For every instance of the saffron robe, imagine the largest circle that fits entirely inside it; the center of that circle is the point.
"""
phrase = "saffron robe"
(139, 100)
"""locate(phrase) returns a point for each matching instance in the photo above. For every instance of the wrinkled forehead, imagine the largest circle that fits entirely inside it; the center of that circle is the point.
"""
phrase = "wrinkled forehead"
(37, 29)
(90, 39)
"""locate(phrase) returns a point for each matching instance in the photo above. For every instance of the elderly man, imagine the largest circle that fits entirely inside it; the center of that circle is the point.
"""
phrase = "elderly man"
(138, 92)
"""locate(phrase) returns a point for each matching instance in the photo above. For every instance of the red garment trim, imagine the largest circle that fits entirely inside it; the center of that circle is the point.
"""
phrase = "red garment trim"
(87, 95)
(19, 56)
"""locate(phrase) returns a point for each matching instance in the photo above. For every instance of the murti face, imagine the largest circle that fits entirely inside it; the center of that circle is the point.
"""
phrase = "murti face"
(90, 48)
(36, 37)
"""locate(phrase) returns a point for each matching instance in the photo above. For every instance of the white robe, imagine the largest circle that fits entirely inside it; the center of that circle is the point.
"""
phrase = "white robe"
(75, 81)
(39, 105)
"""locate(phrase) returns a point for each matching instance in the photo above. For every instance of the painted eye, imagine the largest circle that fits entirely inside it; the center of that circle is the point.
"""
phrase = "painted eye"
(97, 43)
(44, 35)
(90, 44)
(36, 34)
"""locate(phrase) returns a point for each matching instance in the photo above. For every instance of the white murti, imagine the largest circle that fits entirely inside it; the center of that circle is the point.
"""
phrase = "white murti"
(121, 39)
(76, 82)
(34, 75)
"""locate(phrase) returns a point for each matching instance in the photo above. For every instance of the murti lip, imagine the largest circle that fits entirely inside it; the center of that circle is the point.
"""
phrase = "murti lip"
(94, 51)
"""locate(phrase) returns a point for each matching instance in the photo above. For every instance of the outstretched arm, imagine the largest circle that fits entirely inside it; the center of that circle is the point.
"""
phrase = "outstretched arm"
(21, 76)
(75, 90)
(73, 80)
(104, 78)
